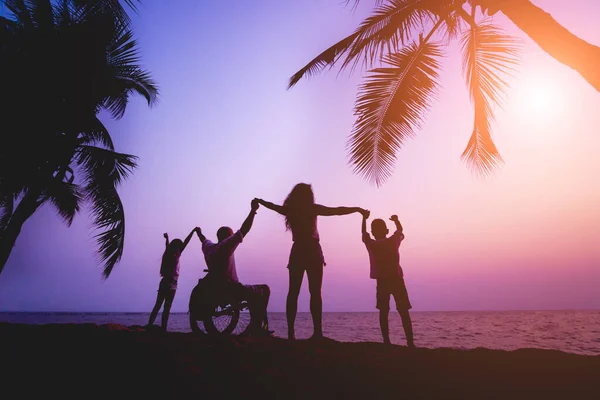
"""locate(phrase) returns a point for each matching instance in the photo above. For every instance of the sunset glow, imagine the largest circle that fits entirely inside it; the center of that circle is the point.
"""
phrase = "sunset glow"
(226, 130)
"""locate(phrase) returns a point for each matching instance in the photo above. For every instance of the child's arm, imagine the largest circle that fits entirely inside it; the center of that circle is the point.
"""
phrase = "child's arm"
(394, 218)
(166, 236)
(277, 208)
(187, 239)
(365, 234)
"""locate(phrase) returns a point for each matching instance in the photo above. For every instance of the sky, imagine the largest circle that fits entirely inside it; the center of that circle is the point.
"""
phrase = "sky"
(226, 130)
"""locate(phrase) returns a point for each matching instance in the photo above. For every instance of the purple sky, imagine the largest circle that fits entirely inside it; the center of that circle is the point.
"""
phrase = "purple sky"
(226, 130)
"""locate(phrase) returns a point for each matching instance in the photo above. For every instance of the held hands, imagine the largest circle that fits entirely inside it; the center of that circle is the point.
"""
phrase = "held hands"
(254, 204)
(198, 230)
(365, 213)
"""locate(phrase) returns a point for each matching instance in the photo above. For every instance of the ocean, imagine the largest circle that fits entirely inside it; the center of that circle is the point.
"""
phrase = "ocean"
(569, 331)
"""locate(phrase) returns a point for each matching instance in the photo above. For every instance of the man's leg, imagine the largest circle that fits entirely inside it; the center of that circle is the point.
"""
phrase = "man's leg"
(291, 306)
(407, 325)
(258, 301)
(265, 296)
(315, 282)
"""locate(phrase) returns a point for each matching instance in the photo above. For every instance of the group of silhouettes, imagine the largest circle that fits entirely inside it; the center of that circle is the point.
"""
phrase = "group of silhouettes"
(306, 255)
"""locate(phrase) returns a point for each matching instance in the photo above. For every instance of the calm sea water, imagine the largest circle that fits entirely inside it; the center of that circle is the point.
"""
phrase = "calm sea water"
(570, 331)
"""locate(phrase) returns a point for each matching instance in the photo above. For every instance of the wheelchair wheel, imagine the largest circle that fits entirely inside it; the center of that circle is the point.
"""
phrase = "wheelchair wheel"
(194, 324)
(223, 320)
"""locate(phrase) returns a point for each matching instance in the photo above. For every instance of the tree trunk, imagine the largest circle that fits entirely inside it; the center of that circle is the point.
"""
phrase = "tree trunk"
(27, 206)
(553, 38)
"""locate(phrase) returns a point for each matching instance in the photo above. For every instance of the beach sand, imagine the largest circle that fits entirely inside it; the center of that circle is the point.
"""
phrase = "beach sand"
(88, 361)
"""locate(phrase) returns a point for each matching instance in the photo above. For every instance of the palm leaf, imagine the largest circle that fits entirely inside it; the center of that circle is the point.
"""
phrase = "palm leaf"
(95, 133)
(127, 76)
(6, 209)
(327, 58)
(42, 14)
(103, 172)
(21, 12)
(62, 13)
(489, 57)
(126, 81)
(388, 27)
(391, 104)
(65, 197)
(114, 8)
(376, 3)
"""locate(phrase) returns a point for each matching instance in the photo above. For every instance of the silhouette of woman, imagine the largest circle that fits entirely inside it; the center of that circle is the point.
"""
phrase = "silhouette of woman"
(301, 214)
(169, 270)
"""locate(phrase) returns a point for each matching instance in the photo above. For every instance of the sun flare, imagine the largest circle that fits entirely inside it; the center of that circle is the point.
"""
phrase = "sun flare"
(540, 99)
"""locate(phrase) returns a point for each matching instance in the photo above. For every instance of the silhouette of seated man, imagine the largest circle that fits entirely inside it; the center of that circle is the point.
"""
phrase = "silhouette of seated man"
(222, 273)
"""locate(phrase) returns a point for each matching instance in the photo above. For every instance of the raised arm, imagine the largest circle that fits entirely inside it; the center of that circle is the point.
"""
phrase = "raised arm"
(187, 239)
(271, 206)
(250, 218)
(200, 235)
(394, 218)
(331, 211)
(365, 234)
(166, 236)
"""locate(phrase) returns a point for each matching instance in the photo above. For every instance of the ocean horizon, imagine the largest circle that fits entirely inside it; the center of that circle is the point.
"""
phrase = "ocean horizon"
(571, 331)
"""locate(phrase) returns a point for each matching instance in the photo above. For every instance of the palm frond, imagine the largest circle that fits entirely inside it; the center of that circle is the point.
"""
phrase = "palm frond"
(453, 25)
(127, 76)
(489, 57)
(327, 58)
(391, 105)
(42, 14)
(95, 133)
(6, 209)
(21, 12)
(62, 13)
(65, 197)
(376, 3)
(133, 80)
(388, 28)
(114, 8)
(103, 172)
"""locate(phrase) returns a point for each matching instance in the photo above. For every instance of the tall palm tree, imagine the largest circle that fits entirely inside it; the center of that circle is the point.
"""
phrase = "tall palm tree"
(551, 36)
(408, 37)
(64, 63)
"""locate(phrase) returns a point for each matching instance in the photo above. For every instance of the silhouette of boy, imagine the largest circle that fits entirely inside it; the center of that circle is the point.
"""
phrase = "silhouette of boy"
(385, 267)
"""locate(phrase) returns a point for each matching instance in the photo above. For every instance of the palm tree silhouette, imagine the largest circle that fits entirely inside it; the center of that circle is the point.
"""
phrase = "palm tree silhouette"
(408, 37)
(64, 63)
(551, 36)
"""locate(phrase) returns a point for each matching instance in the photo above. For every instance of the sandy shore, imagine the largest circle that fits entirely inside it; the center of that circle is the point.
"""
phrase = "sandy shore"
(86, 361)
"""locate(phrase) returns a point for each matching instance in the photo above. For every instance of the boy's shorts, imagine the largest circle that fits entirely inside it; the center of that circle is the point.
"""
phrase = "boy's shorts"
(392, 287)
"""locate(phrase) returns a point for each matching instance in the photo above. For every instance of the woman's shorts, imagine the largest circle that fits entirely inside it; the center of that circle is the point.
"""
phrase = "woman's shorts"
(306, 255)
(167, 284)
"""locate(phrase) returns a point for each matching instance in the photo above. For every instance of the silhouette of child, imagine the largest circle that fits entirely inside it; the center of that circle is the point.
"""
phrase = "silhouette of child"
(169, 270)
(385, 267)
